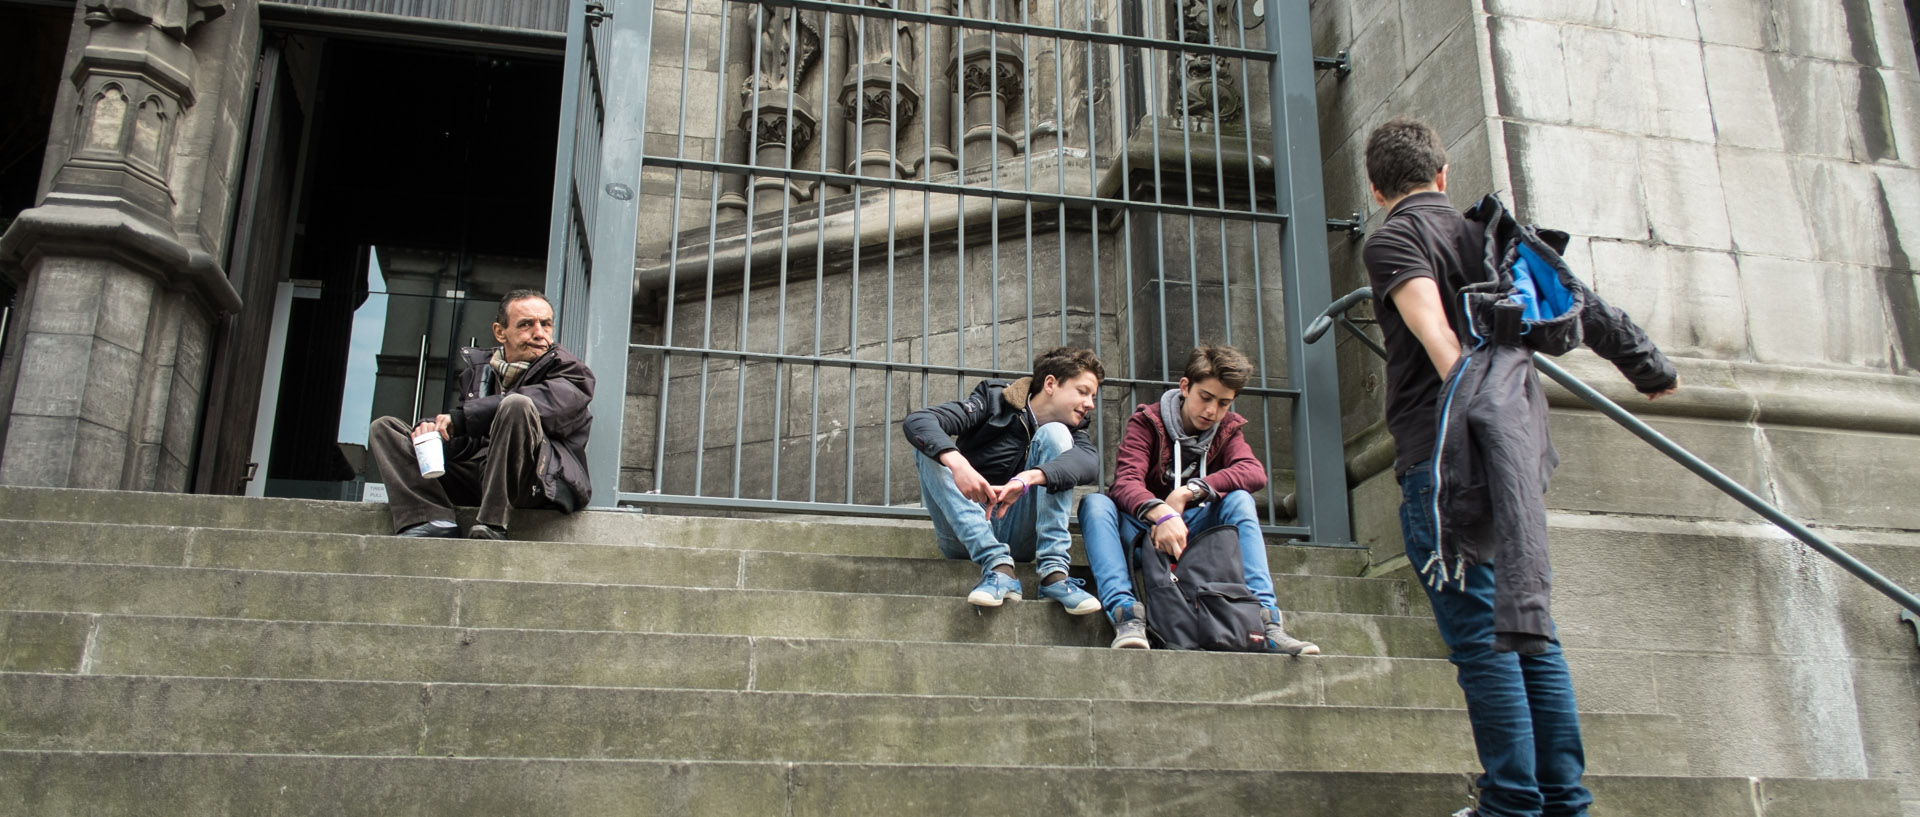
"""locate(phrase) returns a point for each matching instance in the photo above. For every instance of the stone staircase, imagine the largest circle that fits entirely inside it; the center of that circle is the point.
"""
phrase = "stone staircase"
(192, 655)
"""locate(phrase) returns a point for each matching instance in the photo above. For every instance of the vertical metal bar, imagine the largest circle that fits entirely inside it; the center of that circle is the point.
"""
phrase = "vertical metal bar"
(1220, 178)
(610, 318)
(1259, 277)
(562, 217)
(780, 321)
(893, 200)
(1186, 157)
(853, 273)
(1320, 468)
(1026, 165)
(833, 22)
(1093, 227)
(926, 206)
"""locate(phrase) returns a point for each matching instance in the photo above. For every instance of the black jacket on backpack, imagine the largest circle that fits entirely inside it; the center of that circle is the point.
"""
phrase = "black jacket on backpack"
(1494, 455)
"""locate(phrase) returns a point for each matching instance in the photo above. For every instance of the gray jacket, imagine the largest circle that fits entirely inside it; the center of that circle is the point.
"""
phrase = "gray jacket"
(1494, 455)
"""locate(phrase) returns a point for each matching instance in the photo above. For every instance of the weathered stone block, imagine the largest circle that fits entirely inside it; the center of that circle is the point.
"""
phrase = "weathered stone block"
(1807, 95)
(1848, 326)
(1650, 17)
(1604, 468)
(1611, 84)
(1765, 214)
(1811, 28)
(1580, 181)
(1874, 491)
(99, 457)
(1375, 507)
(1530, 70)
(1444, 89)
(53, 375)
(1754, 715)
(39, 450)
(1344, 113)
(65, 297)
(1680, 108)
(1742, 97)
(1886, 693)
(1689, 302)
(1847, 221)
(1424, 25)
(1684, 201)
(113, 377)
(127, 298)
(1739, 23)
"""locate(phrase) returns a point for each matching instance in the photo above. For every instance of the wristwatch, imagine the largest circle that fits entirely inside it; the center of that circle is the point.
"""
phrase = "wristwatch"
(1200, 489)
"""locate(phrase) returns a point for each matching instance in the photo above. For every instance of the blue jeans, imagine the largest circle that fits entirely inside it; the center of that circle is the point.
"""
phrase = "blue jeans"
(1524, 724)
(1034, 529)
(1108, 533)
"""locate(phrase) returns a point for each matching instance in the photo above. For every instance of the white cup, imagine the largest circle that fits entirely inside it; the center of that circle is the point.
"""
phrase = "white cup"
(426, 449)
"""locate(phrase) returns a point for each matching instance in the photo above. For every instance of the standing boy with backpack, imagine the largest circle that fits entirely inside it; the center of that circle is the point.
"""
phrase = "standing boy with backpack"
(1518, 692)
(1183, 466)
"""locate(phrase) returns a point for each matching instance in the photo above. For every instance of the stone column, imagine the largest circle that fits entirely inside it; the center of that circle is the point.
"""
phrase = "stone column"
(120, 264)
(786, 47)
(881, 97)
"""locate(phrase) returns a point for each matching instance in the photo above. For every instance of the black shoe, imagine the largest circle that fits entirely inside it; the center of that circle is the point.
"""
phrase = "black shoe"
(495, 533)
(429, 530)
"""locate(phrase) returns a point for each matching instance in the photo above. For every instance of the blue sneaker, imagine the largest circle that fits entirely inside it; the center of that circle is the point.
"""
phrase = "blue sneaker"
(994, 588)
(1067, 591)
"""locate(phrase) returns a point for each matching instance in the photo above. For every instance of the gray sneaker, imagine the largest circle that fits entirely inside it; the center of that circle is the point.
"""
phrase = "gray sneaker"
(1278, 640)
(1130, 628)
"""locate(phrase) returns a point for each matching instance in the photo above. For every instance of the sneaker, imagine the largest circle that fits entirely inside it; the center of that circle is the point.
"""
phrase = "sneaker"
(493, 532)
(433, 529)
(994, 588)
(1466, 812)
(1067, 591)
(1130, 628)
(1278, 640)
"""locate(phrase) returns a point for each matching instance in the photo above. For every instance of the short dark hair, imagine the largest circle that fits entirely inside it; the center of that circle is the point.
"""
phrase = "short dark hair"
(1219, 361)
(1402, 154)
(500, 315)
(1065, 363)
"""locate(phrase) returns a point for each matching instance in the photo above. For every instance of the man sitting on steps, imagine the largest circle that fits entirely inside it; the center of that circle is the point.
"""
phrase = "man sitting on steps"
(1183, 465)
(997, 472)
(516, 439)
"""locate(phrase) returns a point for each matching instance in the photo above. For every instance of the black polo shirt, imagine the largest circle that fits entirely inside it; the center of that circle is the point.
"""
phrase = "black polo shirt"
(1423, 237)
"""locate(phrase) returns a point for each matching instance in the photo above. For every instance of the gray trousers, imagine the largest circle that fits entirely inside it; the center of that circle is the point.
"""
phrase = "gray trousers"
(502, 476)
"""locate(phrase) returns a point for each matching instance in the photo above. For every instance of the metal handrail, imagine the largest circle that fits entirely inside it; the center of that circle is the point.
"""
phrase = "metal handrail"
(1338, 309)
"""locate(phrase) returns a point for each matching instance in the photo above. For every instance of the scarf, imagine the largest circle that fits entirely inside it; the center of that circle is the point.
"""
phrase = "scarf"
(1194, 448)
(509, 373)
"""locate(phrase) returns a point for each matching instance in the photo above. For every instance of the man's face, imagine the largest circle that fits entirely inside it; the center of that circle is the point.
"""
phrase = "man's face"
(1068, 401)
(529, 330)
(1206, 403)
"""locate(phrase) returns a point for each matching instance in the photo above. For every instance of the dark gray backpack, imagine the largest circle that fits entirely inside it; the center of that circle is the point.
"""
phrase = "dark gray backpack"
(1201, 603)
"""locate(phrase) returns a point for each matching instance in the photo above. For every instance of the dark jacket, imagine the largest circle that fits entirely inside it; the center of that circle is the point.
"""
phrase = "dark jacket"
(1141, 468)
(993, 429)
(1493, 456)
(561, 387)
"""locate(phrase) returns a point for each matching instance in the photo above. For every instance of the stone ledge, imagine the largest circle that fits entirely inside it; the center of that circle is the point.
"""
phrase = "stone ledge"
(96, 227)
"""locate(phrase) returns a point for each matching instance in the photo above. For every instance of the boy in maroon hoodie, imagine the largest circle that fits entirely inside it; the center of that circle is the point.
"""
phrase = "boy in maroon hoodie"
(1183, 465)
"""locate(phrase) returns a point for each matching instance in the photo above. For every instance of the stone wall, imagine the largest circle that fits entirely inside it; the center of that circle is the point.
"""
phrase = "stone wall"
(120, 262)
(1740, 175)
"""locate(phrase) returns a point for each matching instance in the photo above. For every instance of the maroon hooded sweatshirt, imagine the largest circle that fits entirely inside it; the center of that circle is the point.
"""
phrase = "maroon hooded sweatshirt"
(1146, 455)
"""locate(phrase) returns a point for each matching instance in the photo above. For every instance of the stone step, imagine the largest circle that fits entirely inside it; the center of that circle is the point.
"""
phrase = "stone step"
(290, 596)
(248, 648)
(576, 562)
(191, 785)
(797, 534)
(253, 716)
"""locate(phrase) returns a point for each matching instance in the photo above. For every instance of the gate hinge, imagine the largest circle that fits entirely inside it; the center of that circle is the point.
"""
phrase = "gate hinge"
(597, 12)
(1341, 63)
(1355, 225)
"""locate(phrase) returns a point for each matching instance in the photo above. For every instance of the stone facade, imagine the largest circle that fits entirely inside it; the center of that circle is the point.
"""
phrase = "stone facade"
(119, 265)
(1741, 176)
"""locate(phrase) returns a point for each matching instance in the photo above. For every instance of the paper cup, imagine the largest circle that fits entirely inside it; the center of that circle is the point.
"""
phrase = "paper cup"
(426, 449)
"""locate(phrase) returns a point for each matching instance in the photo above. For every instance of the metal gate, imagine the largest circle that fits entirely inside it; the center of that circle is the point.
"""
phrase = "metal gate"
(847, 210)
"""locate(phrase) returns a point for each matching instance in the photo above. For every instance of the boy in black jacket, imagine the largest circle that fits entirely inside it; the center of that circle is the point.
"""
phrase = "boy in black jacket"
(1519, 694)
(997, 472)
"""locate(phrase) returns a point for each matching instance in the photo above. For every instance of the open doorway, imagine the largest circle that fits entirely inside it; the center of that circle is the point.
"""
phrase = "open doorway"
(426, 181)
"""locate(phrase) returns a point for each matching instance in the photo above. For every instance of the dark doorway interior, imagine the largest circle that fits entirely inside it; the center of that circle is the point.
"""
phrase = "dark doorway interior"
(428, 182)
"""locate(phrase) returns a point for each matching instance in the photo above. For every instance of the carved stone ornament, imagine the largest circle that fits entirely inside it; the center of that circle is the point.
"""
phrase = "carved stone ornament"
(1213, 91)
(1004, 77)
(776, 30)
(176, 18)
(769, 124)
(875, 101)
